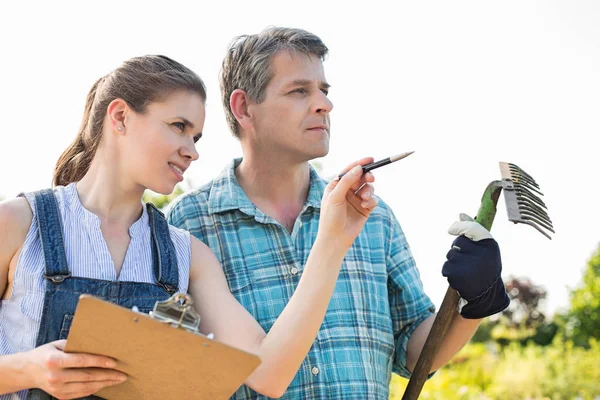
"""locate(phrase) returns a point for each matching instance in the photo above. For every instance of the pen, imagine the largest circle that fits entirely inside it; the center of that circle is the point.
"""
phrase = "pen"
(381, 163)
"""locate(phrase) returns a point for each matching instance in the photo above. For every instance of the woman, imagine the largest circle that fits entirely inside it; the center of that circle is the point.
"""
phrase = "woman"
(92, 234)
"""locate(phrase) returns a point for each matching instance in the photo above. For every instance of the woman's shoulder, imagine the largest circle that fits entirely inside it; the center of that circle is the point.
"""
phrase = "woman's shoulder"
(62, 194)
(178, 233)
(15, 220)
(18, 214)
(15, 214)
(203, 260)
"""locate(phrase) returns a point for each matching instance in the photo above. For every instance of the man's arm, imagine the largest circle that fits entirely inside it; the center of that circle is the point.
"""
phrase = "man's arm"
(473, 269)
(410, 307)
(459, 333)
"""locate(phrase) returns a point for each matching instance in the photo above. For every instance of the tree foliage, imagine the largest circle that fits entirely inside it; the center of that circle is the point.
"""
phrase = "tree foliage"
(160, 200)
(584, 314)
(526, 298)
(522, 321)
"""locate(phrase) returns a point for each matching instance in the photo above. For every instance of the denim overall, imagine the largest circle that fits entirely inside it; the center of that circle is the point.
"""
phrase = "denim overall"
(63, 290)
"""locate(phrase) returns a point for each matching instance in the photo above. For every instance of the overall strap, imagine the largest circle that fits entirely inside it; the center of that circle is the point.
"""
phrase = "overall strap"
(164, 258)
(51, 236)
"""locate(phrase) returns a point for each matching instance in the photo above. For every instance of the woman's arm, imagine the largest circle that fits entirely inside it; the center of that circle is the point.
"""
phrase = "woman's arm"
(283, 349)
(47, 367)
(15, 219)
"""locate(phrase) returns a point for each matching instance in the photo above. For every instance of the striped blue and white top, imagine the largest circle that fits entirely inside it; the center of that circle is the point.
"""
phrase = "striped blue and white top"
(87, 256)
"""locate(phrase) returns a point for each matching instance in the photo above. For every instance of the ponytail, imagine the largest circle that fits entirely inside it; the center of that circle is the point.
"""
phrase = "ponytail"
(75, 161)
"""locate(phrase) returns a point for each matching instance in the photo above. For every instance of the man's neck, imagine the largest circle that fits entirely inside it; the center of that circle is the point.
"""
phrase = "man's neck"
(279, 191)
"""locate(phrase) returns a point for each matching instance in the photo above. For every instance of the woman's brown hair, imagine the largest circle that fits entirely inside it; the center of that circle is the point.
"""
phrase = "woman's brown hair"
(139, 81)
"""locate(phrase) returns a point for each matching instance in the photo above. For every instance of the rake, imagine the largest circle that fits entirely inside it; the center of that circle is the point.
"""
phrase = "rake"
(523, 205)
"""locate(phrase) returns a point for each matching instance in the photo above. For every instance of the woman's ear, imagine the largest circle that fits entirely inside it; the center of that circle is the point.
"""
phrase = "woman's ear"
(116, 111)
(239, 101)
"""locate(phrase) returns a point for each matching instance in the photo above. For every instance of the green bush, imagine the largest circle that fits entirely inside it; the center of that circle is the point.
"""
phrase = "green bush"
(488, 372)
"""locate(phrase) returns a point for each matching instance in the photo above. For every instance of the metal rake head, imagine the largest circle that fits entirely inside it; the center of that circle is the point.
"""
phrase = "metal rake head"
(521, 195)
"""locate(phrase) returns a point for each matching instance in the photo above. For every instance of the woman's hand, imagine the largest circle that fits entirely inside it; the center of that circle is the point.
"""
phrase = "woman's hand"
(346, 205)
(70, 375)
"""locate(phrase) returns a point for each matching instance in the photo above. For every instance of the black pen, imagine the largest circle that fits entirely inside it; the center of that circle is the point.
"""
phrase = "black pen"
(381, 163)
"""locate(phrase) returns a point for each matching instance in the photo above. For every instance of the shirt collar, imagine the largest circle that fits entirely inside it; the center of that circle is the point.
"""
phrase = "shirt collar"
(92, 220)
(226, 193)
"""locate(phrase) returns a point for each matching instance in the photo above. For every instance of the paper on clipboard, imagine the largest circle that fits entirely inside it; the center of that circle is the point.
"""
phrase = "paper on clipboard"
(162, 362)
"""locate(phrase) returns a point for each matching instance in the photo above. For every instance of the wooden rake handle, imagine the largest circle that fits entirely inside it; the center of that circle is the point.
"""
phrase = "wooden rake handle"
(448, 309)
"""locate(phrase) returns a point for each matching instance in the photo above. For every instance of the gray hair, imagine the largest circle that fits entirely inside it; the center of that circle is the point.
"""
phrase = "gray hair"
(247, 65)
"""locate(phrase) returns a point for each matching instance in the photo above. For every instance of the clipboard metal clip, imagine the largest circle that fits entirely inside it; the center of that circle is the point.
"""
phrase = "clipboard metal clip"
(177, 310)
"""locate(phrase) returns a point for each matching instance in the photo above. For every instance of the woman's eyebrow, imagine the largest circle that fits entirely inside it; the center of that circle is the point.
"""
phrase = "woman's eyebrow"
(186, 122)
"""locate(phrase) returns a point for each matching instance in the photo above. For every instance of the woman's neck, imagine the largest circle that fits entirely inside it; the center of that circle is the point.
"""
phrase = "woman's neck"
(104, 192)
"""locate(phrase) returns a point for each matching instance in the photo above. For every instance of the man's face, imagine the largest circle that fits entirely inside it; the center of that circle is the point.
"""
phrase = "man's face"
(293, 120)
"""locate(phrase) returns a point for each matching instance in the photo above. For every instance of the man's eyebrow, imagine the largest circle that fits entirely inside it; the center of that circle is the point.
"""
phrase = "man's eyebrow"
(306, 82)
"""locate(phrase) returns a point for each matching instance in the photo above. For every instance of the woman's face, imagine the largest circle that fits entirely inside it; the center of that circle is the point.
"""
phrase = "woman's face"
(160, 143)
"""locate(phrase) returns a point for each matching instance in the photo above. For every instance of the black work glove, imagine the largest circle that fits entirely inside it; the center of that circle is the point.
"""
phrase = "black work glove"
(474, 269)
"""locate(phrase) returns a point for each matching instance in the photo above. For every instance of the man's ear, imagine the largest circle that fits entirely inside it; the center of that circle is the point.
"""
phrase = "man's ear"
(117, 111)
(239, 102)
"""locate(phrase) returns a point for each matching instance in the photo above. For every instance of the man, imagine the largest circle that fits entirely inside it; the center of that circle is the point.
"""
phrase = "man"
(260, 218)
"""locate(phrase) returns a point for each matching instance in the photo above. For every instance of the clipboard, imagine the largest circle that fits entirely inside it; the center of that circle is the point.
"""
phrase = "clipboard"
(163, 353)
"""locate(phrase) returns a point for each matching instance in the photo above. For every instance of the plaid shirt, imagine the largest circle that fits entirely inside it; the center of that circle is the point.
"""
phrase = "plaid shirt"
(377, 303)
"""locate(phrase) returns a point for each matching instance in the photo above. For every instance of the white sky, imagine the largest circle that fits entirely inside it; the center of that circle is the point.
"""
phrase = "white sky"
(465, 84)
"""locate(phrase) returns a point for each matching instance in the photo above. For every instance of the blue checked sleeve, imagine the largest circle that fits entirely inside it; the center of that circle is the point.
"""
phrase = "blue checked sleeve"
(186, 212)
(409, 305)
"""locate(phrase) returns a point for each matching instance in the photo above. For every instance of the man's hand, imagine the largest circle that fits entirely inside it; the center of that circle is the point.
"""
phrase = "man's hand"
(474, 268)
